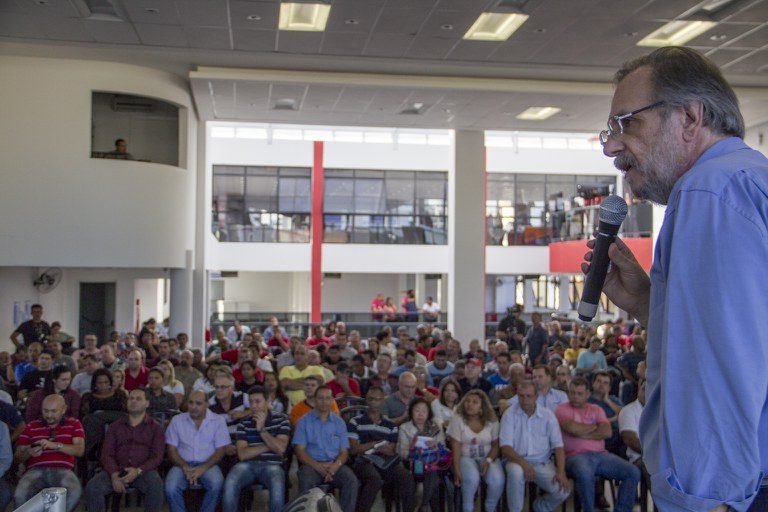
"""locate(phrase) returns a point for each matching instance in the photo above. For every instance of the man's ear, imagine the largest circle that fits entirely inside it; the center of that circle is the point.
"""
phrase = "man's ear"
(693, 120)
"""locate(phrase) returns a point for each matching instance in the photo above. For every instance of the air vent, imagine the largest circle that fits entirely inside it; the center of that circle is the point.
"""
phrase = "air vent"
(417, 108)
(331, 275)
(102, 10)
(286, 104)
(229, 273)
(132, 104)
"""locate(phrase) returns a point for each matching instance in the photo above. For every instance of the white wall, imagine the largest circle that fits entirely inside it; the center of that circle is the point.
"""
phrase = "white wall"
(62, 208)
(354, 292)
(757, 138)
(548, 161)
(264, 291)
(63, 302)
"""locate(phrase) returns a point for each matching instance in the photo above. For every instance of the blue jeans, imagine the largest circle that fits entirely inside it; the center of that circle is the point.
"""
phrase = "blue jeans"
(176, 483)
(584, 468)
(243, 474)
(545, 480)
(37, 479)
(470, 481)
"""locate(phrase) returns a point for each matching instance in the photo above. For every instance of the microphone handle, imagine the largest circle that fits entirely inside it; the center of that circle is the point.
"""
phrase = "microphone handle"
(598, 269)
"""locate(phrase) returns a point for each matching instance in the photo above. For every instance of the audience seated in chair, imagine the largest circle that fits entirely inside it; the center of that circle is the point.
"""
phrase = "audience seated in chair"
(530, 436)
(133, 450)
(322, 449)
(196, 442)
(48, 447)
(262, 441)
(585, 429)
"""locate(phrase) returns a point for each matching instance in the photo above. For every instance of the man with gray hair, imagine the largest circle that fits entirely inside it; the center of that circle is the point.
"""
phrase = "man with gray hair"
(676, 131)
(396, 405)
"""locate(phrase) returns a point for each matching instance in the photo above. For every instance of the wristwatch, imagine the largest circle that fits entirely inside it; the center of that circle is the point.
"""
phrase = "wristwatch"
(58, 446)
(138, 471)
(489, 460)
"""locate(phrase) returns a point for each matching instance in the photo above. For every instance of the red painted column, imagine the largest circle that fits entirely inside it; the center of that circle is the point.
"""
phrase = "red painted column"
(318, 191)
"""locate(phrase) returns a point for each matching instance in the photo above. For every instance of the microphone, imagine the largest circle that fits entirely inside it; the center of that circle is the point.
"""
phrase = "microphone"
(612, 213)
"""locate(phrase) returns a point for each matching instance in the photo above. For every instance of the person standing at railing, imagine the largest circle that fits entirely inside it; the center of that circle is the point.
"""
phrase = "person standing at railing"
(431, 310)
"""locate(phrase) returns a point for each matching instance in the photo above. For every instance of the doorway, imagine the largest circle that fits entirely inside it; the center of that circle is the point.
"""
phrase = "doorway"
(97, 310)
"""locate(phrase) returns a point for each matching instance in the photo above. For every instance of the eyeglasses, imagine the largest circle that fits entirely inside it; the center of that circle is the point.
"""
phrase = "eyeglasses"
(617, 123)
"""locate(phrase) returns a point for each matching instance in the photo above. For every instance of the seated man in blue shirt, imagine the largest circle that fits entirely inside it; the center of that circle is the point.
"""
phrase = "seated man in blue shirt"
(322, 447)
(262, 440)
(196, 442)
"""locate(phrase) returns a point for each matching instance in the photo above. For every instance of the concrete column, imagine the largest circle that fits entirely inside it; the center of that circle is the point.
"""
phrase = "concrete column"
(565, 294)
(466, 197)
(528, 297)
(181, 298)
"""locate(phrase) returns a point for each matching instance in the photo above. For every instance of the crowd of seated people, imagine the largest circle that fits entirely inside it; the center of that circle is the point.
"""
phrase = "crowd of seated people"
(365, 418)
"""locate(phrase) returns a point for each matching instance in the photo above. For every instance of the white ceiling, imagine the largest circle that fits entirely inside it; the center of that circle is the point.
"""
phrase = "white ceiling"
(377, 57)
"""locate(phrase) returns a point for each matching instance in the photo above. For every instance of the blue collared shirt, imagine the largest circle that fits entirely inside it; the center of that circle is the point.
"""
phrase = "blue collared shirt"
(197, 445)
(704, 428)
(532, 437)
(323, 440)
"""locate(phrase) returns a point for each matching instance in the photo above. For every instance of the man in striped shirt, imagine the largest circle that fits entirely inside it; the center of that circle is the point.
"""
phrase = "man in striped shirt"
(262, 440)
(49, 447)
(373, 440)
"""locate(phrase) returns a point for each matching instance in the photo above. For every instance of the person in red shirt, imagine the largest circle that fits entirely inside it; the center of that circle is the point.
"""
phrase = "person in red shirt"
(344, 385)
(318, 336)
(136, 375)
(48, 448)
(377, 308)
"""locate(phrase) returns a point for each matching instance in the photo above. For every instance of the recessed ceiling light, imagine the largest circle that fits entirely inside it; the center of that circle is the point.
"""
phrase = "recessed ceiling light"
(718, 37)
(286, 104)
(492, 26)
(539, 30)
(630, 34)
(151, 10)
(351, 21)
(537, 113)
(304, 17)
(676, 33)
(43, 2)
(415, 108)
(446, 26)
(253, 17)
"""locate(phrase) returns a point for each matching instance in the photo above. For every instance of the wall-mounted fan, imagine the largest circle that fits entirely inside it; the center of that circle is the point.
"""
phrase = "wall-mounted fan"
(48, 280)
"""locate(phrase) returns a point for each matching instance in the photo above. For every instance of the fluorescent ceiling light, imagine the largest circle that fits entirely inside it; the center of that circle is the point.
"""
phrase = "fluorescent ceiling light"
(537, 113)
(304, 17)
(493, 26)
(676, 33)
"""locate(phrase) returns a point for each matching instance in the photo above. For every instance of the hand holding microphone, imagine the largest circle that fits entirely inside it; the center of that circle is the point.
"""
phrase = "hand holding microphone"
(627, 285)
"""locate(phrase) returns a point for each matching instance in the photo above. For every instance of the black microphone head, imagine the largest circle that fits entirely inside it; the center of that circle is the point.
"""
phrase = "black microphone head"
(613, 209)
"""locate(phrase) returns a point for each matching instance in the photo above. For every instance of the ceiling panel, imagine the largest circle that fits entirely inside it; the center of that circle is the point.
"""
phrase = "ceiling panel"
(162, 35)
(209, 38)
(305, 43)
(152, 11)
(21, 26)
(388, 45)
(267, 13)
(64, 29)
(403, 18)
(203, 13)
(254, 40)
(110, 32)
(426, 47)
(339, 43)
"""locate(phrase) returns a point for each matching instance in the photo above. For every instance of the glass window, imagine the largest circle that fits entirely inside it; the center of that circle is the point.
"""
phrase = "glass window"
(261, 204)
(531, 209)
(385, 207)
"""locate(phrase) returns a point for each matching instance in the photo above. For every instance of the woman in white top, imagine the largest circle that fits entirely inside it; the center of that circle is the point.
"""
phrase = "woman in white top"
(450, 393)
(422, 425)
(171, 384)
(474, 438)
